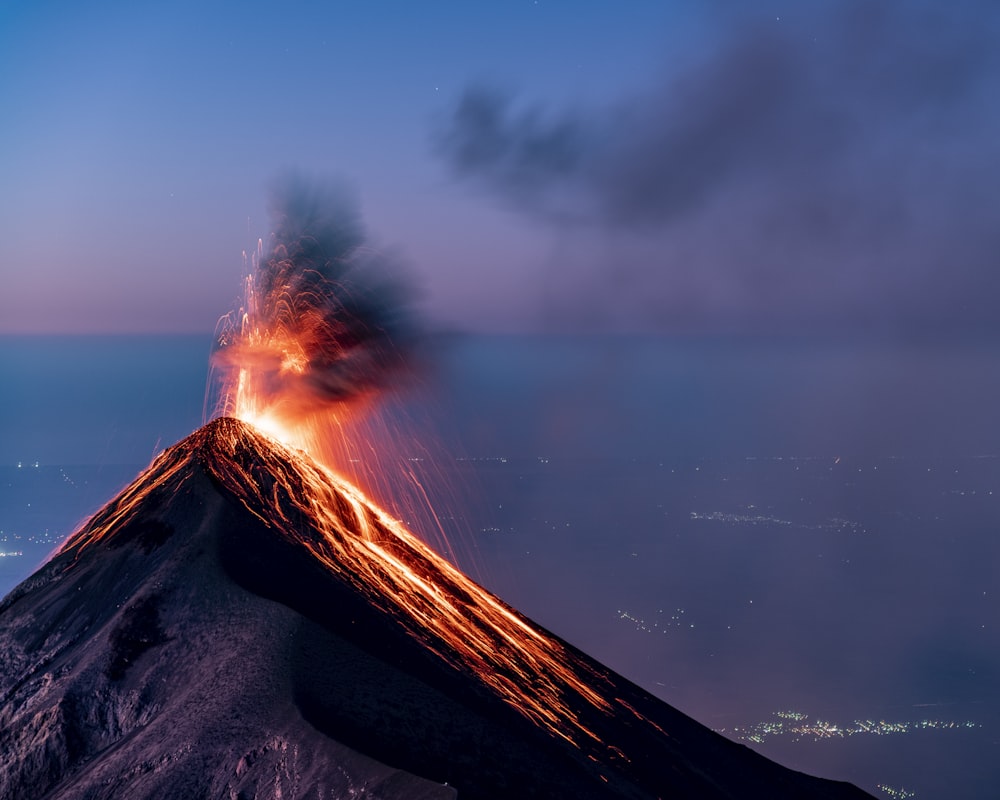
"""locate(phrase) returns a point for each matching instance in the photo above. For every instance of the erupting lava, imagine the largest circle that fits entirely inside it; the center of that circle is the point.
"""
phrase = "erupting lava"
(313, 344)
(323, 329)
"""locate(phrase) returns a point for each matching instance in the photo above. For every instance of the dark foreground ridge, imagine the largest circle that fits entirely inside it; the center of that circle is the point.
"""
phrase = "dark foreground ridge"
(219, 631)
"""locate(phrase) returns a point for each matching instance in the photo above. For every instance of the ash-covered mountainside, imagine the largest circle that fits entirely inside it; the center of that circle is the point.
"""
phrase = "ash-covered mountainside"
(240, 623)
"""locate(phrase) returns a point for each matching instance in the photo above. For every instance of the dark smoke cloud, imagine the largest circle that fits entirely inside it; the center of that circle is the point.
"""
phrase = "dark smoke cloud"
(328, 318)
(839, 162)
(523, 155)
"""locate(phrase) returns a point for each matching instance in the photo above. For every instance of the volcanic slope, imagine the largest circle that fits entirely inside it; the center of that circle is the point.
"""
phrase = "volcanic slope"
(240, 623)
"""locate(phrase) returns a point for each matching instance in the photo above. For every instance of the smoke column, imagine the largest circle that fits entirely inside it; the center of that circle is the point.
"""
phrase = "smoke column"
(324, 331)
(325, 322)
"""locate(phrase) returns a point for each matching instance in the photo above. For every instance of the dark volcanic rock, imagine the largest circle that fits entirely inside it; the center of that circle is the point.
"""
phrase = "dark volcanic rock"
(192, 642)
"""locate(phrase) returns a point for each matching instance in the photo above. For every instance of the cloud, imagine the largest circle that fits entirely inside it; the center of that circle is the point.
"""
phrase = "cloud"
(836, 165)
(523, 155)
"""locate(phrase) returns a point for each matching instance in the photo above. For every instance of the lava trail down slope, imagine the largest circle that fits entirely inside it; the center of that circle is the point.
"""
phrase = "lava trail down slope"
(241, 623)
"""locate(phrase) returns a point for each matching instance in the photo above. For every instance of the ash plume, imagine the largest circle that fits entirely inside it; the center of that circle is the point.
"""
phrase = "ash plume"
(327, 318)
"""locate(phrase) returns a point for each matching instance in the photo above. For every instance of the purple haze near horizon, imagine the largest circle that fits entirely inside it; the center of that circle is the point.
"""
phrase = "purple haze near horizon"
(540, 166)
(744, 528)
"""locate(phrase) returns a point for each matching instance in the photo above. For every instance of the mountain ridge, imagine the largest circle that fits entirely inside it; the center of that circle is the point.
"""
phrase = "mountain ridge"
(200, 638)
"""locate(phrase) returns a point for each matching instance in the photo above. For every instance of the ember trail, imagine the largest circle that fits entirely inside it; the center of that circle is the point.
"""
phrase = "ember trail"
(363, 545)
(322, 331)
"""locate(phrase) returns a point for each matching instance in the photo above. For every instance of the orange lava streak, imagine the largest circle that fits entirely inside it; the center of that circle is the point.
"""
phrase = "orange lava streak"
(395, 570)
(376, 553)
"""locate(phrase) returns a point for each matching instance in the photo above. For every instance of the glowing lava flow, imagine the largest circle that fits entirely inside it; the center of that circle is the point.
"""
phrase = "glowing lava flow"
(363, 545)
(311, 346)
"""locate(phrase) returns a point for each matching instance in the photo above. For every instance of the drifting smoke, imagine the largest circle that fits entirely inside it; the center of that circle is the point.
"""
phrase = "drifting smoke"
(326, 320)
(819, 166)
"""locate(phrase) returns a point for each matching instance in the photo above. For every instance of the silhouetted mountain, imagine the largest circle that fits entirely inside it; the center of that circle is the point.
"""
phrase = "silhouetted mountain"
(239, 623)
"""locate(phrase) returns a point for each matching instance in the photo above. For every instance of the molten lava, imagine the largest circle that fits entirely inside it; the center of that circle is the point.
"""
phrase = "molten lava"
(363, 545)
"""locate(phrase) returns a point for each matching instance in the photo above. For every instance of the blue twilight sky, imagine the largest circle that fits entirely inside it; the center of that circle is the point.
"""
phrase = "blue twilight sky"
(685, 167)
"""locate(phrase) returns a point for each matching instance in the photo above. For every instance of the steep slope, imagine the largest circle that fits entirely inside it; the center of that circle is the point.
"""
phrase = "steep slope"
(239, 623)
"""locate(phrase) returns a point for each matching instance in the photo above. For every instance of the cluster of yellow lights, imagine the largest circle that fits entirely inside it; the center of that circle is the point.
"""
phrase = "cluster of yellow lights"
(799, 726)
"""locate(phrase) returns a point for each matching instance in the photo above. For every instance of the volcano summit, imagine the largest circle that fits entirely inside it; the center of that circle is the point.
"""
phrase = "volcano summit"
(241, 623)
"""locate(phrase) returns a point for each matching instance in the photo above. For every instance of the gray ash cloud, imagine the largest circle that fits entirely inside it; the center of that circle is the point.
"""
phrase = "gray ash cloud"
(833, 163)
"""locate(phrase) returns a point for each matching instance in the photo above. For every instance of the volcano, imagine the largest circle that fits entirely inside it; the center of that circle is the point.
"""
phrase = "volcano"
(241, 623)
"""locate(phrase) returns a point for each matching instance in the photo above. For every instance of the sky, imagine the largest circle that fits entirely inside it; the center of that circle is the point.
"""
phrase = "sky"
(672, 167)
(704, 168)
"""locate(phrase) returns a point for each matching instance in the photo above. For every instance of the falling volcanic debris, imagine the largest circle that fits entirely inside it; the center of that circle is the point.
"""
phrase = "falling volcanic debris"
(243, 622)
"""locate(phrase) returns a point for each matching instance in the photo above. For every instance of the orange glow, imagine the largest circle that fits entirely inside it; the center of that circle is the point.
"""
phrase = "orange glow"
(360, 543)
(265, 374)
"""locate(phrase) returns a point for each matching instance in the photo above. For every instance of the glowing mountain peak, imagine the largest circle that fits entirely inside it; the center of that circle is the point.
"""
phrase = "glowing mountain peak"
(369, 630)
(365, 546)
